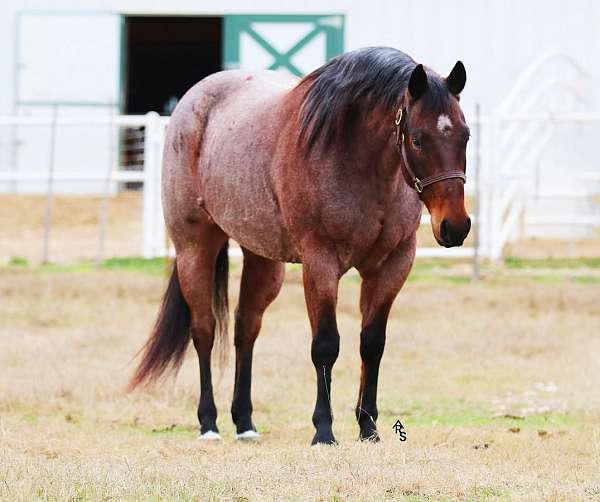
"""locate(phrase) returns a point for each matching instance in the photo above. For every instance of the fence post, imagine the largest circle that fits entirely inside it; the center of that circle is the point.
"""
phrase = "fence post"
(103, 214)
(153, 227)
(478, 128)
(493, 190)
(50, 186)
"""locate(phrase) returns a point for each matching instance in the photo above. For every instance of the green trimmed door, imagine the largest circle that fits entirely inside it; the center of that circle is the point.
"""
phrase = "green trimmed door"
(296, 44)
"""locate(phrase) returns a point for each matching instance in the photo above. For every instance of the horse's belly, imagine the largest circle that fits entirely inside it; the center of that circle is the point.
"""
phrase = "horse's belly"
(237, 191)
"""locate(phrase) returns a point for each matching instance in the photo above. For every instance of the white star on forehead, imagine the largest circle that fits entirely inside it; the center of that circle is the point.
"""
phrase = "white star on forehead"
(444, 124)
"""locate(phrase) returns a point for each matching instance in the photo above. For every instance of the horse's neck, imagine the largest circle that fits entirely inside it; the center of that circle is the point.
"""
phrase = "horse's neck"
(373, 152)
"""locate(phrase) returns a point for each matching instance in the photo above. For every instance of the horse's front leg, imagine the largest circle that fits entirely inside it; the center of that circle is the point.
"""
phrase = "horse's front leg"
(378, 291)
(321, 274)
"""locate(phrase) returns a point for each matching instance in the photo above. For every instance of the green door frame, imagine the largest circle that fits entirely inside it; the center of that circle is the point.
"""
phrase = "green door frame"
(331, 25)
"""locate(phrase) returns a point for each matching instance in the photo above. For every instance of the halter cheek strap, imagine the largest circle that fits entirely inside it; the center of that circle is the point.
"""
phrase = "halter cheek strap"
(419, 184)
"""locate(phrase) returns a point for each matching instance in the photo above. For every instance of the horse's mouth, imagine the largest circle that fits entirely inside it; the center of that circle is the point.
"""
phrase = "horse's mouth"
(452, 236)
(448, 245)
(452, 245)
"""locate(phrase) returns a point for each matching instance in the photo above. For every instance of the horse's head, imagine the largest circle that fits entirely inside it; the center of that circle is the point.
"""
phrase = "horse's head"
(432, 137)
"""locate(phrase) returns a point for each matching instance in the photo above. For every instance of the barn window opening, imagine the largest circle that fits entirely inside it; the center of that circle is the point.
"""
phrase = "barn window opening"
(165, 56)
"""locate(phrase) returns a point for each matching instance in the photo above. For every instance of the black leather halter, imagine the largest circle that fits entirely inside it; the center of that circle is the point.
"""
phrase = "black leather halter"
(419, 184)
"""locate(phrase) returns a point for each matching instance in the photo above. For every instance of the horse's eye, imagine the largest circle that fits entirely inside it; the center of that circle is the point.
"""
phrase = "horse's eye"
(416, 142)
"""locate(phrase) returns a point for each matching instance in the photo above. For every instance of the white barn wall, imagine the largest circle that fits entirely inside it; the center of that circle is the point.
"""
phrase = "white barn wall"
(497, 39)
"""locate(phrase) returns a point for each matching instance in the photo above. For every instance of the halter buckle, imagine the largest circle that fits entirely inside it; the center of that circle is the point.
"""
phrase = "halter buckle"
(418, 185)
(399, 116)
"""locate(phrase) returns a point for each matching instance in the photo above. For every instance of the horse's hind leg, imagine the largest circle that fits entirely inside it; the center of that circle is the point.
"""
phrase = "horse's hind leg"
(196, 266)
(261, 282)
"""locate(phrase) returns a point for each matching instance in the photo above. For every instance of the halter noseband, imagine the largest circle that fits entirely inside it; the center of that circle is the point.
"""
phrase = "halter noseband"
(419, 184)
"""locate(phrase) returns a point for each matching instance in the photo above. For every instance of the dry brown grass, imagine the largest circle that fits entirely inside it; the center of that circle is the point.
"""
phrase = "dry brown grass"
(75, 226)
(457, 355)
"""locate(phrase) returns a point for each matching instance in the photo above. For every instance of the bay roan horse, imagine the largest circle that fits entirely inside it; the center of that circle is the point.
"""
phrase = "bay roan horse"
(330, 172)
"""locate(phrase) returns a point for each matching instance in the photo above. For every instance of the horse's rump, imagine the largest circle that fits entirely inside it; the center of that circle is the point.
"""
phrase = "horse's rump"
(219, 151)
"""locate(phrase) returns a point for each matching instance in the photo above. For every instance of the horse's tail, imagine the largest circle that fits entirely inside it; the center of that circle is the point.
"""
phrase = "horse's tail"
(171, 334)
(220, 303)
(169, 338)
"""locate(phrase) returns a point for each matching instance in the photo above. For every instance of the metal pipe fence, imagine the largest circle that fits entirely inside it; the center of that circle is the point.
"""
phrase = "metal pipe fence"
(501, 189)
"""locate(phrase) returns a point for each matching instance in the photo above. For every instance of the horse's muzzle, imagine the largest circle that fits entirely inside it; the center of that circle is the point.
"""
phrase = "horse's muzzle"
(452, 235)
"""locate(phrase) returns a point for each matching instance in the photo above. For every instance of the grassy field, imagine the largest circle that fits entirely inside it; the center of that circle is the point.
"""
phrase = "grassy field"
(496, 384)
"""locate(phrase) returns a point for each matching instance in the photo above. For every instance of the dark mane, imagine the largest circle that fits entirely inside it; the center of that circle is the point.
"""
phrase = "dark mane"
(365, 78)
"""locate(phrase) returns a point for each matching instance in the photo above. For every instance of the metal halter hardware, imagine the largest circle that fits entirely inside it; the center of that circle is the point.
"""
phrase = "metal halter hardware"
(419, 184)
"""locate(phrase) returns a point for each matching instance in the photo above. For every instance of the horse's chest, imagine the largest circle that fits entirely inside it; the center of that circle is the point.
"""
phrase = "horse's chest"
(389, 227)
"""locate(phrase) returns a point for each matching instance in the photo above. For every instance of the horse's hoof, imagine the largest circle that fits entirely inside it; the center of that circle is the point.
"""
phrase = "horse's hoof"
(210, 436)
(249, 435)
(372, 438)
(324, 439)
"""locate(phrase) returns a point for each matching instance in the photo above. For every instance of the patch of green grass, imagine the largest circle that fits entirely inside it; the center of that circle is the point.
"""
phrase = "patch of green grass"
(30, 418)
(586, 279)
(136, 264)
(562, 279)
(487, 493)
(352, 276)
(167, 430)
(423, 270)
(425, 277)
(32, 415)
(294, 267)
(153, 266)
(455, 413)
(435, 263)
(130, 264)
(83, 491)
(414, 497)
(548, 279)
(553, 263)
(18, 261)
(457, 279)
(55, 268)
(423, 274)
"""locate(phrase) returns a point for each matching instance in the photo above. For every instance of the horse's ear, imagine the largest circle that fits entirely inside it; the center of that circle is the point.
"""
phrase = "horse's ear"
(457, 79)
(417, 85)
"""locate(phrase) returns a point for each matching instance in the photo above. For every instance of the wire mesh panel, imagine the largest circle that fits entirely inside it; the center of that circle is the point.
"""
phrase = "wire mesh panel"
(61, 206)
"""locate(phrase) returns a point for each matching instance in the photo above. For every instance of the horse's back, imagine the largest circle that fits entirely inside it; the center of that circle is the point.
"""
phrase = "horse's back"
(218, 154)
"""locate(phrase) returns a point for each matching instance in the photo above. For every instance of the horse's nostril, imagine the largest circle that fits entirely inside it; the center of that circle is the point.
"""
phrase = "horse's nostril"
(445, 231)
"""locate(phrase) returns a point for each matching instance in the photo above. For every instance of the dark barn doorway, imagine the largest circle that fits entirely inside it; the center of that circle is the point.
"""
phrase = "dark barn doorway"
(165, 56)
